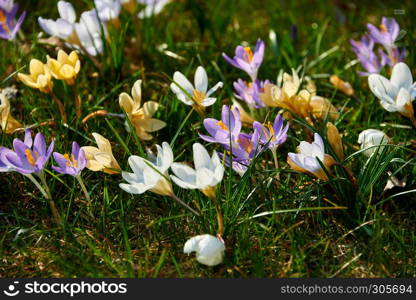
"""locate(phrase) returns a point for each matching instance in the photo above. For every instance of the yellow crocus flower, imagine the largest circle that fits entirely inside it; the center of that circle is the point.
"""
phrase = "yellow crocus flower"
(39, 78)
(65, 67)
(140, 116)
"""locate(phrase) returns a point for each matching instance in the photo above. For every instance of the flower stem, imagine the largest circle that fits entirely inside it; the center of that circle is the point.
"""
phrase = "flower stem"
(55, 213)
(77, 101)
(179, 200)
(220, 219)
(276, 163)
(38, 185)
(84, 189)
(60, 106)
(87, 195)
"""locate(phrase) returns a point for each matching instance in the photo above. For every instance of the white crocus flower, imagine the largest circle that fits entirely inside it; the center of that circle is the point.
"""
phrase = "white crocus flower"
(63, 27)
(370, 138)
(150, 175)
(196, 95)
(90, 32)
(396, 94)
(308, 157)
(86, 35)
(208, 172)
(153, 7)
(209, 249)
(108, 9)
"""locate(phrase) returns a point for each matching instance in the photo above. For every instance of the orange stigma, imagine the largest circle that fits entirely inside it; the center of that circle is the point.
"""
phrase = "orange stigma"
(248, 57)
(3, 22)
(198, 96)
(30, 157)
(270, 133)
(222, 125)
(383, 28)
(247, 145)
(70, 161)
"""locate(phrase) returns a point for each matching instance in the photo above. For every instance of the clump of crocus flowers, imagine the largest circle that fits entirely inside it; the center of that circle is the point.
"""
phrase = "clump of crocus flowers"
(65, 67)
(373, 60)
(243, 147)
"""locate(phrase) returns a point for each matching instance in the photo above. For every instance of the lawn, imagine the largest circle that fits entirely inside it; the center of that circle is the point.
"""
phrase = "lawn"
(279, 220)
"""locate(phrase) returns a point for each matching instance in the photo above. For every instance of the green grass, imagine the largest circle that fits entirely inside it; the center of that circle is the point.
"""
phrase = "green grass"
(272, 228)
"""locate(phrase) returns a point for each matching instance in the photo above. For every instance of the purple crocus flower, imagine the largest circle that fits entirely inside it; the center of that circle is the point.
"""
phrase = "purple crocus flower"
(224, 131)
(246, 60)
(387, 34)
(28, 156)
(243, 151)
(274, 135)
(3, 166)
(368, 59)
(8, 25)
(71, 165)
(250, 92)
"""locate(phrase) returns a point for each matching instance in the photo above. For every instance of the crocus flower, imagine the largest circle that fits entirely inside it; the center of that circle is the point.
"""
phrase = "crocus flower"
(8, 24)
(250, 92)
(207, 174)
(149, 175)
(70, 164)
(397, 93)
(334, 139)
(246, 60)
(90, 32)
(224, 131)
(153, 7)
(303, 103)
(28, 156)
(308, 157)
(243, 151)
(108, 9)
(101, 158)
(8, 124)
(63, 27)
(371, 138)
(39, 78)
(209, 249)
(364, 50)
(387, 34)
(3, 167)
(197, 95)
(272, 135)
(343, 86)
(85, 35)
(65, 67)
(140, 116)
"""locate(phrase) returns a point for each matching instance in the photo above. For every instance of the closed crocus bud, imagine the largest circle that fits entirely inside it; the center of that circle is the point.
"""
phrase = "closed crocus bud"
(8, 124)
(209, 249)
(335, 140)
(65, 67)
(370, 138)
(39, 78)
(321, 106)
(341, 85)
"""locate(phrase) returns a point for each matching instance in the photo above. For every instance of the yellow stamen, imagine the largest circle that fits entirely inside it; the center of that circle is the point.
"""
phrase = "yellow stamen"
(270, 133)
(71, 161)
(198, 96)
(383, 28)
(222, 125)
(3, 22)
(30, 157)
(247, 145)
(249, 54)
